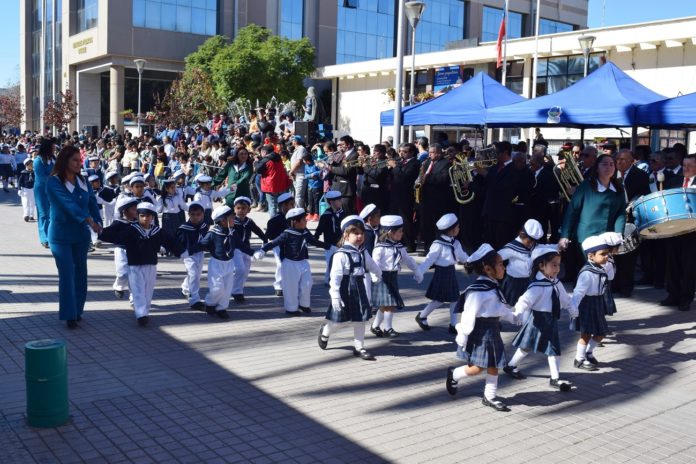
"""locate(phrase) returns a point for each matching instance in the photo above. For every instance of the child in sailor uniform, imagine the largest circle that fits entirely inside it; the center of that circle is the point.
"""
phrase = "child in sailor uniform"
(221, 241)
(590, 301)
(274, 227)
(478, 334)
(296, 275)
(244, 226)
(540, 306)
(206, 195)
(444, 253)
(25, 190)
(518, 264)
(127, 210)
(614, 240)
(330, 227)
(349, 301)
(389, 253)
(189, 235)
(183, 191)
(111, 183)
(371, 215)
(171, 207)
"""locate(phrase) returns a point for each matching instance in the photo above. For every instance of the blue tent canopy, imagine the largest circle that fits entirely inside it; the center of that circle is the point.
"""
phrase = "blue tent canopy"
(464, 106)
(672, 112)
(606, 98)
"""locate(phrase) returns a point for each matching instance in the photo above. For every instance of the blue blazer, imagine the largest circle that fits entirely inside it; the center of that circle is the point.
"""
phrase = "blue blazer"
(69, 211)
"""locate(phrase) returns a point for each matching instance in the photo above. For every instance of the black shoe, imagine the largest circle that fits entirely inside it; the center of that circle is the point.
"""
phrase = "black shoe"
(363, 354)
(72, 324)
(32, 218)
(91, 249)
(222, 314)
(422, 322)
(305, 309)
(142, 321)
(238, 298)
(278, 293)
(452, 329)
(211, 310)
(600, 345)
(321, 339)
(45, 245)
(561, 385)
(684, 306)
(377, 331)
(391, 333)
(292, 313)
(198, 306)
(496, 404)
(584, 365)
(669, 301)
(514, 372)
(589, 357)
(451, 384)
(118, 293)
(26, 218)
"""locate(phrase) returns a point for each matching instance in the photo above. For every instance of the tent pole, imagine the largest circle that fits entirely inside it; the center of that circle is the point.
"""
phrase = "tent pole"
(582, 136)
(634, 138)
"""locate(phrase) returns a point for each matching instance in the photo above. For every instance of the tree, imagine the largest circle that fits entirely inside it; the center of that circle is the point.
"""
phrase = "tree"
(61, 111)
(11, 108)
(188, 99)
(202, 58)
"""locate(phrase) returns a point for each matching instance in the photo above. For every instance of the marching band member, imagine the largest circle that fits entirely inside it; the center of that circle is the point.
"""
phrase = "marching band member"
(518, 263)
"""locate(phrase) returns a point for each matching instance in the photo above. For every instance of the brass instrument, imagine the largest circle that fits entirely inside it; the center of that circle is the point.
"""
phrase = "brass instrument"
(461, 173)
(418, 185)
(568, 177)
(361, 162)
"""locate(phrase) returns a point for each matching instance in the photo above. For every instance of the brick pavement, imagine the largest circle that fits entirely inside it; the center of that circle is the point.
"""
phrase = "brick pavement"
(258, 389)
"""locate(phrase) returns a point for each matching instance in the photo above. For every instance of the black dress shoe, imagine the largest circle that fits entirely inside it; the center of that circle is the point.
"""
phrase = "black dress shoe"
(495, 403)
(26, 218)
(198, 306)
(514, 372)
(222, 314)
(363, 354)
(72, 324)
(305, 309)
(561, 385)
(451, 384)
(422, 322)
(669, 301)
(684, 306)
(238, 298)
(118, 293)
(589, 357)
(452, 329)
(292, 313)
(391, 333)
(143, 320)
(377, 331)
(211, 310)
(278, 293)
(584, 365)
(321, 339)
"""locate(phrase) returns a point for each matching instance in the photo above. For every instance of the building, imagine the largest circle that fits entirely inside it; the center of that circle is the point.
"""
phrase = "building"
(89, 46)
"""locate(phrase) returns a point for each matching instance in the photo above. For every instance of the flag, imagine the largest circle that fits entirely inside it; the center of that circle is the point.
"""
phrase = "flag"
(501, 37)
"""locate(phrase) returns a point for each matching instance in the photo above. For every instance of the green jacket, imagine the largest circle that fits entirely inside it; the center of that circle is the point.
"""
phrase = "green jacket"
(592, 213)
(241, 178)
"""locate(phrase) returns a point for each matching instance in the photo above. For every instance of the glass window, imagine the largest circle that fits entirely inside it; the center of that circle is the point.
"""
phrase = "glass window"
(548, 26)
(191, 16)
(558, 73)
(442, 22)
(365, 30)
(88, 13)
(491, 24)
(291, 18)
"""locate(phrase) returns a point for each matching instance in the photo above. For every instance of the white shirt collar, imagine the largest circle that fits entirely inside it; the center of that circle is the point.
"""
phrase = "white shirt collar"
(70, 186)
(601, 188)
(507, 162)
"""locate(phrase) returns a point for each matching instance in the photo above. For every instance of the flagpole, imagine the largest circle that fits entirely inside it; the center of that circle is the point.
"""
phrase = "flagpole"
(505, 19)
(535, 66)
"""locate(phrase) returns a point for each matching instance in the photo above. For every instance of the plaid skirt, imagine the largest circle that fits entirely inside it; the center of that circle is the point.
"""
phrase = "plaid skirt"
(591, 319)
(513, 288)
(386, 292)
(609, 303)
(539, 334)
(444, 286)
(171, 223)
(484, 347)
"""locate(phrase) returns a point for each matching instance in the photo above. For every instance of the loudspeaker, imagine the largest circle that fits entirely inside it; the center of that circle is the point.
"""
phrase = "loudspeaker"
(308, 131)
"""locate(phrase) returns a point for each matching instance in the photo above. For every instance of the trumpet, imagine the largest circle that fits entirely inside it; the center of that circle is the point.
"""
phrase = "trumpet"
(568, 177)
(461, 174)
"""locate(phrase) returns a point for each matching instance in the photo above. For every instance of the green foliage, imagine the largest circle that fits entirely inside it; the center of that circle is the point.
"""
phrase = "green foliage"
(188, 99)
(256, 65)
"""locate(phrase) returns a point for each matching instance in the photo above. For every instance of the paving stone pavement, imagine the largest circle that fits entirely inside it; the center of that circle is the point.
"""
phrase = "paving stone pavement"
(257, 388)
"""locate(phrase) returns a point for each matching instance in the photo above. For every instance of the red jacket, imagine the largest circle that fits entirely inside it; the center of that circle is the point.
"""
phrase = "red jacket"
(275, 179)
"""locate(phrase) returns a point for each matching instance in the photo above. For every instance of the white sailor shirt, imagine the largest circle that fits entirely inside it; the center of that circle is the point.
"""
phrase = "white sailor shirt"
(340, 266)
(173, 205)
(539, 297)
(444, 251)
(388, 255)
(518, 257)
(207, 198)
(590, 283)
(489, 303)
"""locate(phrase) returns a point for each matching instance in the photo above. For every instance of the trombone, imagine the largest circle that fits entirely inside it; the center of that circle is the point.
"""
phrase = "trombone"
(568, 176)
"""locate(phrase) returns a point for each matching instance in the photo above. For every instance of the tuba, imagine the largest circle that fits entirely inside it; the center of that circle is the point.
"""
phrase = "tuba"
(568, 177)
(461, 172)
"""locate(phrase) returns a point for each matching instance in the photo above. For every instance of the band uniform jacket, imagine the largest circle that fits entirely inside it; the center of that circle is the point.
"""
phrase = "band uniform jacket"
(403, 177)
(636, 183)
(344, 179)
(501, 187)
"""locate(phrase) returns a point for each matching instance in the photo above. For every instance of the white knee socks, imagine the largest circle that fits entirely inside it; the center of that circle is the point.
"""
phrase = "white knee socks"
(554, 364)
(459, 373)
(378, 319)
(429, 308)
(491, 388)
(359, 335)
(590, 346)
(517, 357)
(388, 317)
(580, 352)
(328, 328)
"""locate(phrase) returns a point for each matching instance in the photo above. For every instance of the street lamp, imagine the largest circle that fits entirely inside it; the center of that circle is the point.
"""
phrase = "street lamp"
(414, 10)
(586, 42)
(140, 66)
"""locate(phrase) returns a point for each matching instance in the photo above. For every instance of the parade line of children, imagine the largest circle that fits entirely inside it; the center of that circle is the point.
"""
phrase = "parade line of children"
(364, 254)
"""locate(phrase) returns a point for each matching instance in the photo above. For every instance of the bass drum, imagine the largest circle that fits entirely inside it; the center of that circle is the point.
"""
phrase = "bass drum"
(665, 214)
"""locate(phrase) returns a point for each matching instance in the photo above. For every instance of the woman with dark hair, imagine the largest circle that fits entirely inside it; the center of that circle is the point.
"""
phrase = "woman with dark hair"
(73, 212)
(238, 172)
(597, 206)
(43, 164)
(160, 166)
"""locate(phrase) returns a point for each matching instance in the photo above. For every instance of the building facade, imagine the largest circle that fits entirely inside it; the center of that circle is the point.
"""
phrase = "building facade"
(88, 46)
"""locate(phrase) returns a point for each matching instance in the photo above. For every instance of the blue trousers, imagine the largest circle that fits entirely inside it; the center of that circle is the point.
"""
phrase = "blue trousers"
(71, 261)
(43, 209)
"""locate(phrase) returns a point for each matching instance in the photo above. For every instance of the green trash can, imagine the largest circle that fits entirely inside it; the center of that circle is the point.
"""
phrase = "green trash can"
(46, 371)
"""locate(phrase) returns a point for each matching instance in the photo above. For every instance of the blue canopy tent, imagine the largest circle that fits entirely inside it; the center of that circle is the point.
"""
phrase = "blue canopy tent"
(464, 106)
(606, 98)
(672, 112)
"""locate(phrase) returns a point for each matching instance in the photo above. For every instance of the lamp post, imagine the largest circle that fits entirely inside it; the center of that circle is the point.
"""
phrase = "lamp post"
(399, 74)
(140, 66)
(586, 42)
(414, 10)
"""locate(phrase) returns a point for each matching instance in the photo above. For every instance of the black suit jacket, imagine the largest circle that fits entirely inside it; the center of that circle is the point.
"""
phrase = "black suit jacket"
(637, 183)
(436, 188)
(344, 179)
(677, 182)
(501, 187)
(403, 177)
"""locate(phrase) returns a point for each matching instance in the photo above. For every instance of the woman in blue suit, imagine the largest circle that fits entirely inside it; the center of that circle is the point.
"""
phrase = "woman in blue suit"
(73, 212)
(43, 165)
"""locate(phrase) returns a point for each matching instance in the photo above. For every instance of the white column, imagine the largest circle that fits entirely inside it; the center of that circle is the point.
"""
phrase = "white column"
(116, 88)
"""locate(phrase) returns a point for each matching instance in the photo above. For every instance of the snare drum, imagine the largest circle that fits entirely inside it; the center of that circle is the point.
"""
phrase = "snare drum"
(666, 214)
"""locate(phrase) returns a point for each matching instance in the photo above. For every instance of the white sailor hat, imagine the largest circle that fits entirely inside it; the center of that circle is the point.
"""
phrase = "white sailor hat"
(246, 200)
(594, 243)
(110, 174)
(612, 238)
(283, 197)
(543, 250)
(220, 212)
(196, 204)
(367, 210)
(533, 229)
(136, 179)
(294, 213)
(166, 182)
(27, 161)
(178, 173)
(148, 175)
(126, 179)
(446, 221)
(202, 179)
(391, 221)
(332, 195)
(479, 254)
(93, 177)
(93, 158)
(124, 202)
(147, 206)
(351, 220)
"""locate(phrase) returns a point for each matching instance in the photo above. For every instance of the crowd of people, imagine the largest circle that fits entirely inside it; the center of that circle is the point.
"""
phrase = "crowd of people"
(188, 192)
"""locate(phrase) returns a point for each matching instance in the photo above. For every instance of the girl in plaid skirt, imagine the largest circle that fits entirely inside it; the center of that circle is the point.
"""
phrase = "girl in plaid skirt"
(518, 262)
(388, 255)
(444, 252)
(478, 334)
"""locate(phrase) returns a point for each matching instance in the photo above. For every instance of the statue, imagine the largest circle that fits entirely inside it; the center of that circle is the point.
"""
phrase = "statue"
(311, 106)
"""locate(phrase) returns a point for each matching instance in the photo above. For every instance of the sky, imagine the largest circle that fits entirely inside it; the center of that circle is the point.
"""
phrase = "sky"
(601, 13)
